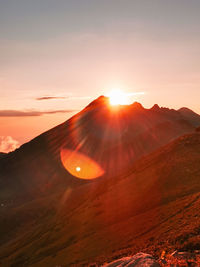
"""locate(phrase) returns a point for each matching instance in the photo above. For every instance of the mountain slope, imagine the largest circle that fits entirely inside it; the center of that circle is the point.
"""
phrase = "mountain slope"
(49, 217)
(154, 206)
(193, 117)
(2, 155)
(113, 138)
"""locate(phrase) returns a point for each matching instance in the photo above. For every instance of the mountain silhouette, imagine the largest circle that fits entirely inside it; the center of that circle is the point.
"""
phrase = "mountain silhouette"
(146, 196)
(2, 154)
(113, 138)
(190, 115)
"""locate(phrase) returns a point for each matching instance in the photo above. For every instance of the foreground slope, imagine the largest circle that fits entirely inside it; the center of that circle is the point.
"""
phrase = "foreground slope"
(151, 207)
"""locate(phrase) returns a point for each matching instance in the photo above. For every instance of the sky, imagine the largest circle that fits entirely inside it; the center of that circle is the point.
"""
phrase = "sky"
(57, 56)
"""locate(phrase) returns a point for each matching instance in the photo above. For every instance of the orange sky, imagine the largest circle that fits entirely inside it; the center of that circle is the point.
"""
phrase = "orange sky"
(77, 50)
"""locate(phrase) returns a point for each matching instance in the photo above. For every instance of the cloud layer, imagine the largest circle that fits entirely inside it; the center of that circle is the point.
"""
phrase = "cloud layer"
(19, 113)
(50, 98)
(8, 144)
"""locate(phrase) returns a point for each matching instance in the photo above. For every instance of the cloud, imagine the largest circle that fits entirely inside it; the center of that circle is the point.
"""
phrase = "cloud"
(50, 97)
(32, 113)
(8, 144)
(135, 93)
(61, 97)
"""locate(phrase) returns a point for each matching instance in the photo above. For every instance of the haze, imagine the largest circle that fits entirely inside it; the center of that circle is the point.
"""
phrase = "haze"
(57, 56)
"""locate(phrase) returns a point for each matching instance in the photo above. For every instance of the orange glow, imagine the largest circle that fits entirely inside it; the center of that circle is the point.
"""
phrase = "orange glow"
(80, 165)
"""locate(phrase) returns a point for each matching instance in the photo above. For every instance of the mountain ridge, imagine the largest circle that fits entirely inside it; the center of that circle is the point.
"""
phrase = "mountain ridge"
(149, 189)
(141, 210)
(114, 138)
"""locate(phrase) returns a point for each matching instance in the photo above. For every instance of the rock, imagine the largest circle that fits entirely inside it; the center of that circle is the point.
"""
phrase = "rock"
(185, 255)
(180, 259)
(138, 260)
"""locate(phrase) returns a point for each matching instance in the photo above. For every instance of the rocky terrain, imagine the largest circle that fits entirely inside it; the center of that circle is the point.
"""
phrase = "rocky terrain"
(178, 259)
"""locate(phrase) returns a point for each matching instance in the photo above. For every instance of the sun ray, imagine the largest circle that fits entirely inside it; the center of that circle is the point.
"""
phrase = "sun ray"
(118, 97)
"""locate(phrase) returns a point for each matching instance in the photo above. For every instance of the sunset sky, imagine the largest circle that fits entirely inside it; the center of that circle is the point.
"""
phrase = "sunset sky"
(56, 56)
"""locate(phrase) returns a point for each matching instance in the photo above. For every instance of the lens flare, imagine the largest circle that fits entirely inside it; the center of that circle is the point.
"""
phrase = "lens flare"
(80, 165)
(78, 169)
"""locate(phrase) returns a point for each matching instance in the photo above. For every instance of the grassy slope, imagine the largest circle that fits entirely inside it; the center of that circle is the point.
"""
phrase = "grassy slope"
(154, 207)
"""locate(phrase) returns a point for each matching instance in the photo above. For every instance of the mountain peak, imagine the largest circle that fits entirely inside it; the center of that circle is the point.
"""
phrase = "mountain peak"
(190, 115)
(104, 100)
(155, 107)
(137, 105)
(184, 109)
(101, 100)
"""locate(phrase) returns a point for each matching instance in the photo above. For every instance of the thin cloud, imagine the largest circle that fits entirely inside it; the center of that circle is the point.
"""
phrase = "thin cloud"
(35, 113)
(51, 98)
(8, 144)
(136, 93)
(62, 97)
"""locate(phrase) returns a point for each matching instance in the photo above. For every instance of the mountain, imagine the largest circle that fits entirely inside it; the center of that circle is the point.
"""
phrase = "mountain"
(104, 141)
(2, 155)
(147, 197)
(190, 115)
(153, 207)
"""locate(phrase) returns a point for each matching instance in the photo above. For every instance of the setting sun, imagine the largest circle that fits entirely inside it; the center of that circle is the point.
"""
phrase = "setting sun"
(118, 97)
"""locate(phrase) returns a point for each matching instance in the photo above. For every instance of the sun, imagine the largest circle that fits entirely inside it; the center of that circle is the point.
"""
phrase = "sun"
(118, 97)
